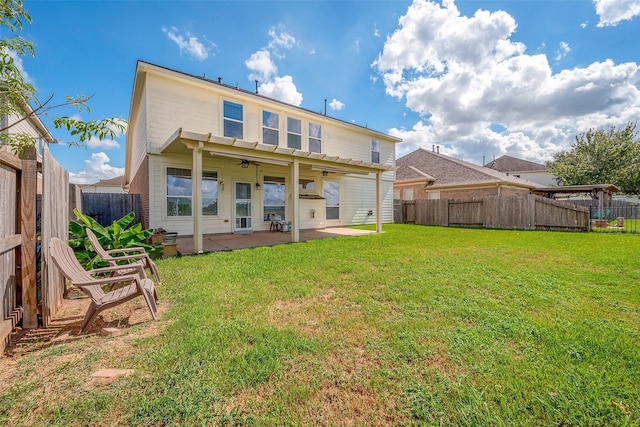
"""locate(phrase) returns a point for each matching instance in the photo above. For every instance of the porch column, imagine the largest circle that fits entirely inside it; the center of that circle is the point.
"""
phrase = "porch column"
(196, 197)
(378, 201)
(295, 179)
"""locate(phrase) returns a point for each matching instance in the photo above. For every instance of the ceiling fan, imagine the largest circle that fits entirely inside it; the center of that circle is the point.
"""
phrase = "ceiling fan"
(244, 163)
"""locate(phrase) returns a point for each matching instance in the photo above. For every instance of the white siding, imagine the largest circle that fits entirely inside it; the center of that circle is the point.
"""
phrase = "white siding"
(197, 108)
(312, 214)
(358, 197)
(541, 177)
(24, 126)
(140, 136)
(173, 104)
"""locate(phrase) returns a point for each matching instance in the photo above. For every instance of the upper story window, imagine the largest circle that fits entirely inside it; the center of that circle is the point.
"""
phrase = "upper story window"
(375, 151)
(294, 133)
(233, 120)
(270, 128)
(315, 138)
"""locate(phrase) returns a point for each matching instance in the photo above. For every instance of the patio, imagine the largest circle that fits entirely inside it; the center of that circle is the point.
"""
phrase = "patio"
(225, 242)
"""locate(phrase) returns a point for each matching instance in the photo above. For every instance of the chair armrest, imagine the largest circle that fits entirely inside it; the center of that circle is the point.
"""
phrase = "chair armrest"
(107, 280)
(125, 250)
(134, 256)
(112, 269)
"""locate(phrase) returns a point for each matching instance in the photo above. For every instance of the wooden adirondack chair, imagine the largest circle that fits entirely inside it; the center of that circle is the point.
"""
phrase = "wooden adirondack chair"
(135, 284)
(138, 256)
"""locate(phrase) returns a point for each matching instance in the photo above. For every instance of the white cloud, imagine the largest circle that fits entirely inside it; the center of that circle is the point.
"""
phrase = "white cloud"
(283, 89)
(188, 43)
(261, 65)
(264, 69)
(563, 51)
(105, 144)
(480, 93)
(584, 24)
(95, 169)
(336, 105)
(280, 39)
(17, 61)
(612, 12)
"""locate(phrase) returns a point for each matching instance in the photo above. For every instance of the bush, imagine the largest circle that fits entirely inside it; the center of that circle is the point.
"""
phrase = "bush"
(115, 236)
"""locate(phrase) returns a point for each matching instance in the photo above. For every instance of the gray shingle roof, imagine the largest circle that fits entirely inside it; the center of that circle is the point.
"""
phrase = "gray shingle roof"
(445, 170)
(512, 164)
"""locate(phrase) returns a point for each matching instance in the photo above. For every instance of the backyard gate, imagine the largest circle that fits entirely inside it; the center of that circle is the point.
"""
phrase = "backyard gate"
(22, 298)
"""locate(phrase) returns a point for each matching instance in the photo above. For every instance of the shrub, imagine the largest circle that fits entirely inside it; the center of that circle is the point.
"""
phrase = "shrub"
(115, 236)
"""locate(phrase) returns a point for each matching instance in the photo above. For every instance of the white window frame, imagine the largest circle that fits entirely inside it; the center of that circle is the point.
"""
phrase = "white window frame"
(177, 196)
(208, 176)
(292, 133)
(232, 119)
(317, 138)
(266, 126)
(327, 206)
(375, 151)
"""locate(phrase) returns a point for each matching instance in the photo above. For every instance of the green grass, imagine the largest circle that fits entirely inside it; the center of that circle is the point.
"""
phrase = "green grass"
(415, 326)
(629, 226)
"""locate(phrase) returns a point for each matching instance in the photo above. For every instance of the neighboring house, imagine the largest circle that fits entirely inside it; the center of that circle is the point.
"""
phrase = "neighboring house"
(113, 185)
(30, 124)
(424, 174)
(207, 157)
(524, 169)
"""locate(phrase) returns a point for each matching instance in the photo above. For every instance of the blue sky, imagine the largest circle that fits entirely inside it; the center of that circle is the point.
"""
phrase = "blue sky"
(479, 78)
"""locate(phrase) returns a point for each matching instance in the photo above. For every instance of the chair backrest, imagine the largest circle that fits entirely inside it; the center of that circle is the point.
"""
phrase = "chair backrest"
(67, 262)
(102, 253)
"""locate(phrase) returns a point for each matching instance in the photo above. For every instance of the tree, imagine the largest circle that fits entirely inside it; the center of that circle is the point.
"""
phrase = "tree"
(18, 97)
(601, 156)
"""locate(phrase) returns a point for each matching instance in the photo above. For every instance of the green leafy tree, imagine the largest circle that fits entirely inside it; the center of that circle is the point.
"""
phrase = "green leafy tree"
(18, 97)
(601, 156)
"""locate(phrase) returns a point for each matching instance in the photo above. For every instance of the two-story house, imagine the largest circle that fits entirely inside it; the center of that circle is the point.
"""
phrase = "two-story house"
(207, 158)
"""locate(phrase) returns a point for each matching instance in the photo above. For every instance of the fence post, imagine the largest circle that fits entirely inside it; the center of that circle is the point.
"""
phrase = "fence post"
(28, 188)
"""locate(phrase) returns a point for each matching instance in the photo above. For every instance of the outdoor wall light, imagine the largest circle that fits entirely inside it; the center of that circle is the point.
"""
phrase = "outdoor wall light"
(257, 185)
(244, 163)
(325, 173)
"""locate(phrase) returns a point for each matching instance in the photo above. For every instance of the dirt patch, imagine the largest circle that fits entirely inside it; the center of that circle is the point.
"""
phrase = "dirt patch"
(63, 334)
(303, 314)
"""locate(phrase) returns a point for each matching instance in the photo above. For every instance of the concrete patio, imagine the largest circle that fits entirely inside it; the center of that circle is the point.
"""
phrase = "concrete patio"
(225, 242)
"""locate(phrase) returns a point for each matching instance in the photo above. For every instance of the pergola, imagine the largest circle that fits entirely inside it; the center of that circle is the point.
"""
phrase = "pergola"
(184, 142)
(602, 192)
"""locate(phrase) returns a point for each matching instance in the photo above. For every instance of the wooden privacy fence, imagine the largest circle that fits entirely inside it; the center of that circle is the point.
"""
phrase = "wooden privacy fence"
(55, 223)
(108, 207)
(11, 243)
(519, 212)
(18, 238)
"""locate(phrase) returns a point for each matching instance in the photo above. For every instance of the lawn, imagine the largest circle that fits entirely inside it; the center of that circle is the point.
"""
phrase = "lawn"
(414, 326)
